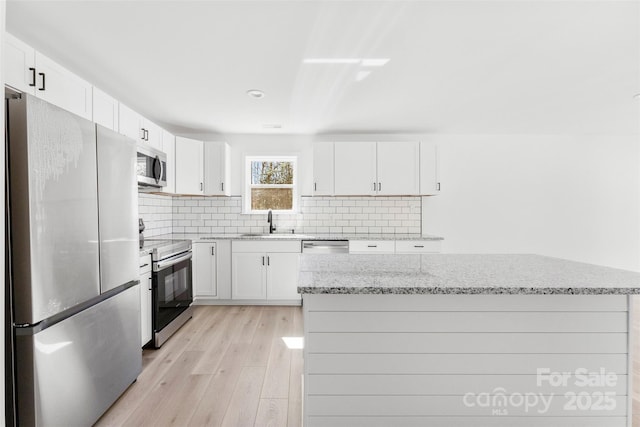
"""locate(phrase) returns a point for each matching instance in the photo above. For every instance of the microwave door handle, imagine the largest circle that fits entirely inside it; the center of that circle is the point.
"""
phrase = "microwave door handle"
(157, 169)
(161, 170)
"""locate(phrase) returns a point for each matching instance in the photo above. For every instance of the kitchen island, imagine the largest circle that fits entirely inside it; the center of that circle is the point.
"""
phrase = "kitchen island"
(465, 340)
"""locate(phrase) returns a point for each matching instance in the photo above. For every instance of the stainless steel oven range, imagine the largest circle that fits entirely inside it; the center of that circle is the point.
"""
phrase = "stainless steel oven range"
(172, 287)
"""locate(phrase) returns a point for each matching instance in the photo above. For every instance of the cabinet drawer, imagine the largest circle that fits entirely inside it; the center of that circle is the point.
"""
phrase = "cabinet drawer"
(145, 264)
(417, 246)
(275, 246)
(372, 246)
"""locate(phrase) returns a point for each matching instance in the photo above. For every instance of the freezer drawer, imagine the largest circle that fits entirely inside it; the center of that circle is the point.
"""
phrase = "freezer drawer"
(71, 372)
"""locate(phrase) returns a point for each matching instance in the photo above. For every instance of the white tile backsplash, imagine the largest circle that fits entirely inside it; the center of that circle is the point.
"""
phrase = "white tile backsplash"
(165, 214)
(157, 213)
(317, 215)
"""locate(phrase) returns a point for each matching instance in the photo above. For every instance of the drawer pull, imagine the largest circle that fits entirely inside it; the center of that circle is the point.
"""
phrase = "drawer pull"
(418, 246)
(144, 265)
(372, 246)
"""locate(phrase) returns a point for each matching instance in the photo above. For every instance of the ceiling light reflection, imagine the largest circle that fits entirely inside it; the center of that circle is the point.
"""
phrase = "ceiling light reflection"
(374, 62)
(331, 60)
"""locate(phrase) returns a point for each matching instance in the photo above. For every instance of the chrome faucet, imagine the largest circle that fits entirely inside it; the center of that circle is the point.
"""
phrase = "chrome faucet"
(272, 228)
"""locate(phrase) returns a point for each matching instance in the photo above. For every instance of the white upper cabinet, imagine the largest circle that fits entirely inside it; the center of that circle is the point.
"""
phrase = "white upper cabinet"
(355, 168)
(138, 128)
(105, 110)
(59, 86)
(152, 133)
(395, 168)
(29, 71)
(130, 123)
(169, 148)
(189, 166)
(429, 175)
(217, 157)
(19, 65)
(398, 168)
(323, 169)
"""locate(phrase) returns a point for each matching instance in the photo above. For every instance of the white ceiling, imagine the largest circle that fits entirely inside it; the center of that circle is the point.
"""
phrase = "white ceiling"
(486, 67)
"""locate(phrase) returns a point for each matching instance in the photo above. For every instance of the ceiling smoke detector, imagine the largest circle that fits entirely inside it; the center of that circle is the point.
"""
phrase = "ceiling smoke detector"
(255, 93)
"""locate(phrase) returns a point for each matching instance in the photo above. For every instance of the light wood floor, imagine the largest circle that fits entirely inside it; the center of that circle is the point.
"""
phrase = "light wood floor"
(228, 366)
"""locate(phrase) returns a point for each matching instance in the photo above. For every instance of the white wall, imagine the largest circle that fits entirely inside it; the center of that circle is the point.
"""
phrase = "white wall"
(573, 197)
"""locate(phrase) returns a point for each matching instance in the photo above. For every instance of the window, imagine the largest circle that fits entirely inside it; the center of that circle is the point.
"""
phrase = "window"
(270, 184)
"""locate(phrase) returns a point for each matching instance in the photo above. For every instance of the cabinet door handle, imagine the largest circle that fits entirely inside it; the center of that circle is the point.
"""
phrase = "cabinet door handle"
(374, 186)
(43, 81)
(315, 186)
(222, 186)
(268, 261)
(262, 260)
(213, 253)
(142, 134)
(150, 284)
(379, 186)
(146, 134)
(438, 186)
(200, 186)
(33, 76)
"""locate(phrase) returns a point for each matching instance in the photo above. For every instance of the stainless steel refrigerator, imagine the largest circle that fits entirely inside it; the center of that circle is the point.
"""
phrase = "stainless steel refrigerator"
(74, 296)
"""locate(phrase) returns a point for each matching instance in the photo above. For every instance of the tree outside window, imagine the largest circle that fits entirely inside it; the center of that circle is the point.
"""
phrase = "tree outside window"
(271, 184)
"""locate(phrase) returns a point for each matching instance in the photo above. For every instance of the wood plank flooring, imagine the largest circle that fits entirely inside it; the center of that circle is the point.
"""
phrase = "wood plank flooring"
(228, 366)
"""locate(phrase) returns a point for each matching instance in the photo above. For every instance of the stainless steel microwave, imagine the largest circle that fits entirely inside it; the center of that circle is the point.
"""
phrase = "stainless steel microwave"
(151, 167)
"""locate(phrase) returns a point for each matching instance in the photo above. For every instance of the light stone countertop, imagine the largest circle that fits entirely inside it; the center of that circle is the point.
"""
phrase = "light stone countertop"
(286, 236)
(459, 274)
(195, 237)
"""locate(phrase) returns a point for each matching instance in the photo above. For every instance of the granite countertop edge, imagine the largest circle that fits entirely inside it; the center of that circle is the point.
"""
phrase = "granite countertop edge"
(204, 237)
(465, 291)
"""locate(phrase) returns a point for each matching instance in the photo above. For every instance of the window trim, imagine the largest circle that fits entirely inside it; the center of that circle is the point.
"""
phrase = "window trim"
(246, 197)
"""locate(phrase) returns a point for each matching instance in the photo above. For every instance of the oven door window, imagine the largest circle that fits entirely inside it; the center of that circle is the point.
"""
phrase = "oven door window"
(172, 293)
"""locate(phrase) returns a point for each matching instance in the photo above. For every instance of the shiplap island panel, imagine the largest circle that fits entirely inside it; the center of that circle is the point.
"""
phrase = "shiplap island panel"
(465, 340)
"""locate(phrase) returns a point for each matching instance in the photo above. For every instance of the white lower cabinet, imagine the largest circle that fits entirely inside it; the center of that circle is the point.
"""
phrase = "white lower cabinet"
(282, 276)
(418, 246)
(372, 246)
(395, 247)
(146, 327)
(248, 276)
(205, 283)
(265, 271)
(211, 271)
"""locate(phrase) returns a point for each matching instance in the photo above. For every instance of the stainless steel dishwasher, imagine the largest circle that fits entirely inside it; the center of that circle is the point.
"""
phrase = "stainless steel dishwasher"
(325, 246)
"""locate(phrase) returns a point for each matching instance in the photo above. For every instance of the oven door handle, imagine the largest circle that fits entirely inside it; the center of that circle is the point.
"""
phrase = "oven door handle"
(165, 263)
